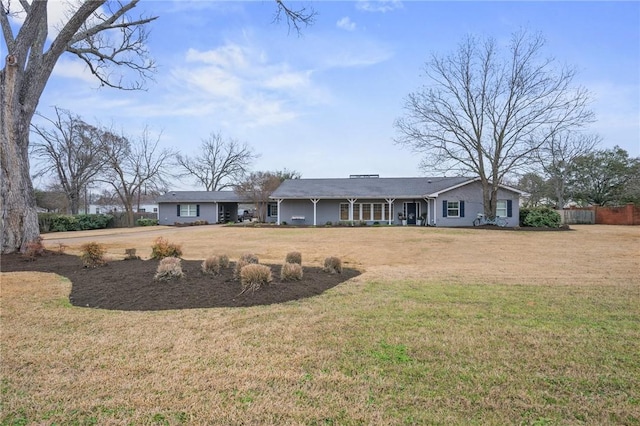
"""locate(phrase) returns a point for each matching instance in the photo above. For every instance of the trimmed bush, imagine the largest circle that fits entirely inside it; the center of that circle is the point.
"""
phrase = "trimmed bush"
(333, 265)
(540, 217)
(92, 254)
(211, 265)
(169, 268)
(162, 248)
(254, 276)
(291, 272)
(294, 257)
(143, 221)
(55, 222)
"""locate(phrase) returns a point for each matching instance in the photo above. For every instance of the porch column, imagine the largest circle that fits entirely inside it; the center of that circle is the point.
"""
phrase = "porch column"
(427, 199)
(314, 201)
(351, 201)
(390, 202)
(279, 200)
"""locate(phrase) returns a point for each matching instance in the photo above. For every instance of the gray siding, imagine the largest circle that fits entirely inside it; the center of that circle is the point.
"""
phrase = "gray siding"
(472, 196)
(167, 213)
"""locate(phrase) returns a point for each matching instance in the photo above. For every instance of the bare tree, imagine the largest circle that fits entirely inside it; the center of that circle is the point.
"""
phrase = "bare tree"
(130, 167)
(557, 156)
(108, 39)
(486, 112)
(71, 151)
(220, 164)
(258, 186)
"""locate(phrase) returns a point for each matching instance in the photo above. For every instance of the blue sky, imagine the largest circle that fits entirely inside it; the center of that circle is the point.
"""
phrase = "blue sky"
(324, 103)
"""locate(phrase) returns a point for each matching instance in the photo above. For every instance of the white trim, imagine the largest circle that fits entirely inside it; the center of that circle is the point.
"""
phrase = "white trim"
(315, 202)
(451, 188)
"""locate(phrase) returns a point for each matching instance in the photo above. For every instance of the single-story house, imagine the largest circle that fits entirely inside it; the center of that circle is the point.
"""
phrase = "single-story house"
(439, 201)
(193, 206)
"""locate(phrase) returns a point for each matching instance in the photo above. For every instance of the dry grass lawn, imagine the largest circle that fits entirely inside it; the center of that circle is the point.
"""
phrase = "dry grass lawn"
(444, 326)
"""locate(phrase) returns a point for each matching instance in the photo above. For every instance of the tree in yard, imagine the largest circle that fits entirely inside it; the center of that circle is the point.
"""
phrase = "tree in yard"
(107, 38)
(258, 186)
(534, 185)
(220, 164)
(556, 157)
(70, 149)
(605, 177)
(130, 167)
(486, 112)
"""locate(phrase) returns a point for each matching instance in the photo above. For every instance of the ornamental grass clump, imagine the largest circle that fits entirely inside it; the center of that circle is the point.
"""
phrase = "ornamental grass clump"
(291, 272)
(162, 248)
(211, 265)
(223, 261)
(169, 268)
(92, 254)
(294, 257)
(253, 277)
(333, 265)
(245, 259)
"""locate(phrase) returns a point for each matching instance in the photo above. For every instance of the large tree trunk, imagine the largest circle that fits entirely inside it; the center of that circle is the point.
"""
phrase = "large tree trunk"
(19, 224)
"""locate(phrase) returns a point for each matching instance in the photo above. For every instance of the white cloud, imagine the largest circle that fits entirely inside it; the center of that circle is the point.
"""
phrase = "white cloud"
(346, 24)
(69, 68)
(379, 5)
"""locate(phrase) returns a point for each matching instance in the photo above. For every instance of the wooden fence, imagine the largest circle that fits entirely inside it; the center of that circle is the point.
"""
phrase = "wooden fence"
(577, 216)
(622, 215)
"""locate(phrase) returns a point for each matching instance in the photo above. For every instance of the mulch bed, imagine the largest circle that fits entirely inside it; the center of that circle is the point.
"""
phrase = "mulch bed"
(128, 285)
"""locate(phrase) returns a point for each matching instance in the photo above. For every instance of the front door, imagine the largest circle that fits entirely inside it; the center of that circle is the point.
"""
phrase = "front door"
(412, 213)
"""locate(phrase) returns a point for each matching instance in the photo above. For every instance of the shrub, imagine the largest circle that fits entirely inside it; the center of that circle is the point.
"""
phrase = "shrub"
(294, 257)
(93, 221)
(130, 254)
(33, 249)
(249, 258)
(542, 217)
(223, 260)
(92, 254)
(162, 248)
(291, 272)
(254, 276)
(211, 265)
(143, 221)
(169, 268)
(333, 265)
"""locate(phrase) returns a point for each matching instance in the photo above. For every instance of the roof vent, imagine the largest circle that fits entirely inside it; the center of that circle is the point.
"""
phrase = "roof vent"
(363, 176)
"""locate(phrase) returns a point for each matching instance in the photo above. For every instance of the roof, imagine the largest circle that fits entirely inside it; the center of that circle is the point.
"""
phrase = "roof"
(201, 197)
(367, 187)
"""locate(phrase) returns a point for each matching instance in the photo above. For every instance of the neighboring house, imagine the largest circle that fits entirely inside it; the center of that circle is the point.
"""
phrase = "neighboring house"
(192, 206)
(443, 201)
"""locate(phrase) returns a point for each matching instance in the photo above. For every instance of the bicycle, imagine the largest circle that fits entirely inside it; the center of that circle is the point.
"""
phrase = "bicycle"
(483, 220)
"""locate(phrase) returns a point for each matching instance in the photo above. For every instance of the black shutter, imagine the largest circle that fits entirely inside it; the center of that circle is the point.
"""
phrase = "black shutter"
(509, 208)
(197, 210)
(444, 208)
(461, 208)
(178, 213)
(269, 210)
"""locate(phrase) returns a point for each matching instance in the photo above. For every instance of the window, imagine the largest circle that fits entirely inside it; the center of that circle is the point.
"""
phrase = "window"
(453, 209)
(366, 211)
(273, 210)
(188, 210)
(504, 208)
(378, 210)
(501, 208)
(155, 210)
(344, 211)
